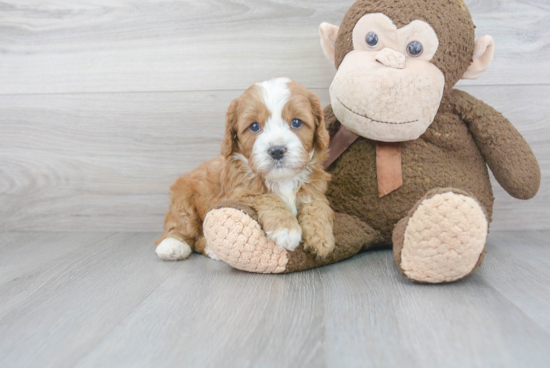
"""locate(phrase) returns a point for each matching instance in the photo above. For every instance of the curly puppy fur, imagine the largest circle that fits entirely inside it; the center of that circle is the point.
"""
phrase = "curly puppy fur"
(288, 193)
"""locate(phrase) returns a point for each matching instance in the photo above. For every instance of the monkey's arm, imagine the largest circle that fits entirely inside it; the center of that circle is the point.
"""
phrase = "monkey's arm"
(507, 153)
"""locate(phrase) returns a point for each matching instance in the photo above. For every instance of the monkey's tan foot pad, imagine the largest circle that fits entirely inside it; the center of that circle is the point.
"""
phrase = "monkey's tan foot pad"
(236, 237)
(442, 239)
(238, 240)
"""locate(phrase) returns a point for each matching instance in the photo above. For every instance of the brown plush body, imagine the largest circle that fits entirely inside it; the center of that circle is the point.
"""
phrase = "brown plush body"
(446, 156)
(398, 61)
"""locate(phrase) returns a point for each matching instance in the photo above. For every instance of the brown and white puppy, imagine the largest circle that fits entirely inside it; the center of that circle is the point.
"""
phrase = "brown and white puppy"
(271, 159)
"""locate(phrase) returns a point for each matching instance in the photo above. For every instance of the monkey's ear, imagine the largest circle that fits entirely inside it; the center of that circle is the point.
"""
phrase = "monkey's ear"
(328, 34)
(483, 56)
(230, 125)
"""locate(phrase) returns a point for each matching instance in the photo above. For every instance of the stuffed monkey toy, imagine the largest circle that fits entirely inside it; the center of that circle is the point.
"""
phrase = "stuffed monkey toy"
(408, 153)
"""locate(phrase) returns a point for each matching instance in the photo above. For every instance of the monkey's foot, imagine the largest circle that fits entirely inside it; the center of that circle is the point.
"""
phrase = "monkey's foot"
(442, 239)
(234, 234)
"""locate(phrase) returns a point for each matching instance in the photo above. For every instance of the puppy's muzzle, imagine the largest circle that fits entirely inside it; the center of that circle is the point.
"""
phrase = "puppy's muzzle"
(277, 152)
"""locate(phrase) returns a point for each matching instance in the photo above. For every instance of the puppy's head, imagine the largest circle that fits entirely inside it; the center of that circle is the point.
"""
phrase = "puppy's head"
(277, 126)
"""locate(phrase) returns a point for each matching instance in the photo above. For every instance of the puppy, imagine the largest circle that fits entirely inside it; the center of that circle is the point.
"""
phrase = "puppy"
(271, 159)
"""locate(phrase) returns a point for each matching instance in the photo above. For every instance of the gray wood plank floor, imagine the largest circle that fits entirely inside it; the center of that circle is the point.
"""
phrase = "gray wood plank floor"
(104, 299)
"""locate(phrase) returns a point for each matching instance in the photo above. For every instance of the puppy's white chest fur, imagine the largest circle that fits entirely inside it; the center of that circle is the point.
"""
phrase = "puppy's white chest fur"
(288, 188)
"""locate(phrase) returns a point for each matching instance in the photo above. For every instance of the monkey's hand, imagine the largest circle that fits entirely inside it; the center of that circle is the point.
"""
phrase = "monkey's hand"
(507, 153)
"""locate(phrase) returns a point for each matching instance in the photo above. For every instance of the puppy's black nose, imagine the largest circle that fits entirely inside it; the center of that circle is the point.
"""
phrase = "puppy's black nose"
(277, 152)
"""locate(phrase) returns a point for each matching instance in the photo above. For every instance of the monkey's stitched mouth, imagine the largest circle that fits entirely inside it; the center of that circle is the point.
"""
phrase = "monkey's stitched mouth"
(375, 121)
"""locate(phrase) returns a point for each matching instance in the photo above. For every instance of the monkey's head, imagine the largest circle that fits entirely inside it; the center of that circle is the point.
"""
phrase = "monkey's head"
(396, 60)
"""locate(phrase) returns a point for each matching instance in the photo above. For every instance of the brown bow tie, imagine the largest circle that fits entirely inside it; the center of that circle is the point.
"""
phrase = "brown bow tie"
(388, 160)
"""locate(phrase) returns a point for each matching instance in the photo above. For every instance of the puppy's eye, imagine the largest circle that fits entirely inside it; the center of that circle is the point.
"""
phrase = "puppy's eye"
(372, 39)
(255, 127)
(296, 123)
(415, 49)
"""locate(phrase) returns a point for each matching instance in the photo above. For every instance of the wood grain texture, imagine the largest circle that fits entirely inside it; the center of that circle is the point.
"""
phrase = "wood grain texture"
(105, 299)
(390, 322)
(105, 161)
(175, 45)
(521, 272)
(104, 103)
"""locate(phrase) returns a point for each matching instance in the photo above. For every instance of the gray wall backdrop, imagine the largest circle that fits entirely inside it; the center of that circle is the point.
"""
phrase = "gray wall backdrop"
(104, 103)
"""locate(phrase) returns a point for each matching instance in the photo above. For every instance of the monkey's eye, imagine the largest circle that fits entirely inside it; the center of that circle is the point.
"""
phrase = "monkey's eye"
(296, 123)
(415, 49)
(255, 127)
(372, 39)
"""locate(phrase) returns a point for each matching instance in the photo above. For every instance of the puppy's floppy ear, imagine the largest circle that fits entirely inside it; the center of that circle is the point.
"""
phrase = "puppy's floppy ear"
(230, 129)
(322, 138)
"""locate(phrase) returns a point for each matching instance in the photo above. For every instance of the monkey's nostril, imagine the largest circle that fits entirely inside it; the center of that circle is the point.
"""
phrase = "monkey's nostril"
(277, 152)
(391, 58)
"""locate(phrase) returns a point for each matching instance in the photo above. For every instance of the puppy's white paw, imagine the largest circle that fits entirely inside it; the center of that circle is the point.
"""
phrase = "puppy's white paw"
(171, 249)
(211, 254)
(286, 239)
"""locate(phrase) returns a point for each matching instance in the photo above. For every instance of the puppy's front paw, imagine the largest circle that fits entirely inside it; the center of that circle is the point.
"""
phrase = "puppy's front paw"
(288, 239)
(322, 246)
(171, 249)
(318, 237)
